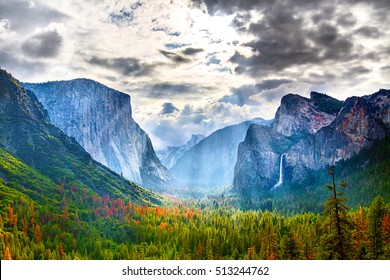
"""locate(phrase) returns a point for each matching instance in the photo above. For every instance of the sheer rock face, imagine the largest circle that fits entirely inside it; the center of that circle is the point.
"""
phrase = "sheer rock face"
(298, 115)
(100, 119)
(317, 132)
(258, 159)
(360, 122)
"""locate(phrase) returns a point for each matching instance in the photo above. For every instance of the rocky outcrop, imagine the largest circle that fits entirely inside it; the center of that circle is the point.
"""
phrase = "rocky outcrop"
(171, 155)
(299, 116)
(361, 121)
(211, 161)
(100, 119)
(318, 131)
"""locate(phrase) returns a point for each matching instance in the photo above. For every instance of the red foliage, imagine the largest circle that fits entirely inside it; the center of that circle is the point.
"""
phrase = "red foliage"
(386, 228)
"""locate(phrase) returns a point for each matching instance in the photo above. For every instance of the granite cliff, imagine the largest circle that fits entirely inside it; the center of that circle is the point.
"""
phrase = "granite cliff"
(100, 119)
(312, 134)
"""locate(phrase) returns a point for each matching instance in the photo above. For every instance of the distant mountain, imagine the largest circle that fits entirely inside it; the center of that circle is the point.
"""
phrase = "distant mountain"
(170, 155)
(311, 134)
(211, 161)
(100, 119)
(35, 155)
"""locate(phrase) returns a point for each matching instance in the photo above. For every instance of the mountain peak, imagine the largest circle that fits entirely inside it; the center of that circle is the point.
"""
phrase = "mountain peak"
(317, 95)
(171, 155)
(298, 115)
(325, 103)
(16, 101)
(195, 139)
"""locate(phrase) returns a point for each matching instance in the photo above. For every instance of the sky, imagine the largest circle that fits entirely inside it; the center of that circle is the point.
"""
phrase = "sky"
(194, 66)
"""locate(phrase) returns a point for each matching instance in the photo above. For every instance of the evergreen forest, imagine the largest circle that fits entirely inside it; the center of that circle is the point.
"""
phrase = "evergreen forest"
(42, 220)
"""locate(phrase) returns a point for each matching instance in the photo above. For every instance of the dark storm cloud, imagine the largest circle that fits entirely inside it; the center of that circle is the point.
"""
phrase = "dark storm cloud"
(284, 41)
(356, 71)
(369, 31)
(192, 51)
(24, 16)
(168, 90)
(175, 57)
(283, 37)
(43, 45)
(231, 6)
(127, 66)
(241, 96)
(168, 108)
(331, 43)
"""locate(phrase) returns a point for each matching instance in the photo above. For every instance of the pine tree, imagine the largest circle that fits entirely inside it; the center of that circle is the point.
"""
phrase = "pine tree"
(376, 214)
(337, 241)
(37, 233)
(290, 247)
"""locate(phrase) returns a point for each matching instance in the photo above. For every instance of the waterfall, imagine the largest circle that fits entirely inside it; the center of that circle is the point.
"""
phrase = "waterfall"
(280, 173)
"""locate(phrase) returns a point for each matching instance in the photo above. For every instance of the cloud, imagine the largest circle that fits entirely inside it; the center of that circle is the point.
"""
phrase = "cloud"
(43, 45)
(192, 51)
(121, 18)
(166, 31)
(232, 6)
(168, 108)
(166, 130)
(356, 71)
(369, 32)
(15, 64)
(293, 34)
(346, 20)
(5, 26)
(175, 57)
(127, 66)
(284, 41)
(242, 95)
(172, 46)
(170, 90)
(24, 16)
(125, 16)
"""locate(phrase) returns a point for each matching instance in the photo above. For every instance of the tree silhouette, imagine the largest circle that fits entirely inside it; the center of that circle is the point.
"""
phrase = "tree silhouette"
(376, 215)
(337, 241)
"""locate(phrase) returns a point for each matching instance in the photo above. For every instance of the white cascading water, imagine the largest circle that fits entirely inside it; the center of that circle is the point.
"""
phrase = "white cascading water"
(280, 173)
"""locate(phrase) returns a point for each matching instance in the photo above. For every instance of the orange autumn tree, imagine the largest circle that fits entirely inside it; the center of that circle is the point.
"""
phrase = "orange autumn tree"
(7, 254)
